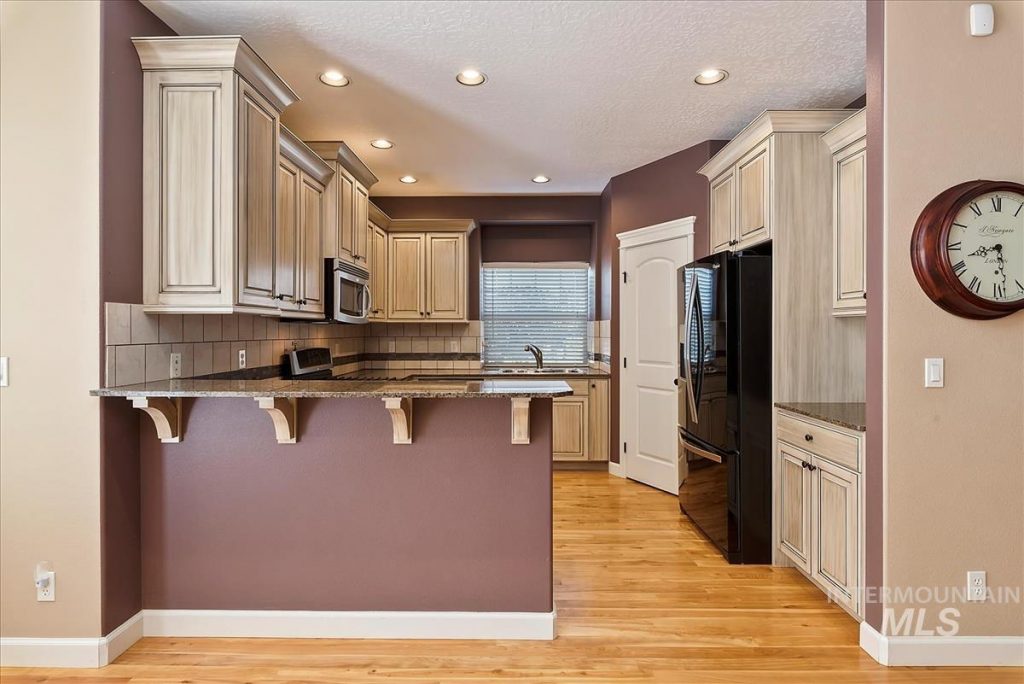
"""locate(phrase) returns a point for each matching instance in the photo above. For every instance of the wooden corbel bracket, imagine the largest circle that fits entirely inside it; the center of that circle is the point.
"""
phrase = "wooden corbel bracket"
(520, 420)
(400, 409)
(166, 415)
(284, 411)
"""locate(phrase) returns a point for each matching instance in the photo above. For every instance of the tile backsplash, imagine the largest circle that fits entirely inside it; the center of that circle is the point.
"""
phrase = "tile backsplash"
(601, 344)
(139, 344)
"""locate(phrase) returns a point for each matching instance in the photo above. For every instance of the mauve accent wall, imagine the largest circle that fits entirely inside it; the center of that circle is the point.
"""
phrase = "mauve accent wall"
(121, 281)
(561, 212)
(663, 190)
(535, 243)
(344, 519)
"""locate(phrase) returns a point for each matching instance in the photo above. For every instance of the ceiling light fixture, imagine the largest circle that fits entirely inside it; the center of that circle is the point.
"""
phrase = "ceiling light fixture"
(470, 77)
(408, 179)
(334, 78)
(382, 144)
(540, 179)
(711, 76)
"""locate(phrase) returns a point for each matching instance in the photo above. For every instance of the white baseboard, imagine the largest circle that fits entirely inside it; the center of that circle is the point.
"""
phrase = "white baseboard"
(962, 651)
(314, 624)
(298, 624)
(70, 652)
(616, 469)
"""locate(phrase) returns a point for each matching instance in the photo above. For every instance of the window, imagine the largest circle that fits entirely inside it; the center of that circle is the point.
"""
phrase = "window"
(706, 285)
(543, 304)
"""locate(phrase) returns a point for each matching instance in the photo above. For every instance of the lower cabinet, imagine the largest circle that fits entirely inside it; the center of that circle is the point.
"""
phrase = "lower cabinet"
(818, 507)
(579, 429)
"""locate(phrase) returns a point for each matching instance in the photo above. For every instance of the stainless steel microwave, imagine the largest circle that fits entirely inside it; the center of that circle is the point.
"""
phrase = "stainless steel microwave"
(348, 292)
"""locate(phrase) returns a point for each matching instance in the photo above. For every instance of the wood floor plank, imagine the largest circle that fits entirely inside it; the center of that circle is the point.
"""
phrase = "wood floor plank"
(641, 597)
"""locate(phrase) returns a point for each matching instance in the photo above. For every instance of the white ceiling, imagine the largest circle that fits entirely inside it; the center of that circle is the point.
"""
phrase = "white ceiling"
(579, 91)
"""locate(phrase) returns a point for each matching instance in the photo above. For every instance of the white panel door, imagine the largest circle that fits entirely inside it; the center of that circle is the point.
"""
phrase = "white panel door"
(649, 368)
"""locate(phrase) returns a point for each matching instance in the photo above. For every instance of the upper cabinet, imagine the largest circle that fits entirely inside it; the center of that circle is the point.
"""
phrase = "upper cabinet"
(848, 143)
(301, 220)
(378, 263)
(347, 233)
(211, 122)
(427, 267)
(751, 176)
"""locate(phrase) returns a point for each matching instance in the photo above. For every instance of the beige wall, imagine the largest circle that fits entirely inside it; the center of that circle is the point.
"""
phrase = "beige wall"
(49, 315)
(954, 108)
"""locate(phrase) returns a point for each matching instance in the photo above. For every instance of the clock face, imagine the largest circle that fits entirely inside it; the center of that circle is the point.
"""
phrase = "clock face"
(985, 246)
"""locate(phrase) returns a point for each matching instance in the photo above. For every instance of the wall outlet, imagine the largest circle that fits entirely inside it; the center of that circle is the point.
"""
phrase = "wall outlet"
(175, 364)
(46, 585)
(4, 367)
(977, 585)
(241, 358)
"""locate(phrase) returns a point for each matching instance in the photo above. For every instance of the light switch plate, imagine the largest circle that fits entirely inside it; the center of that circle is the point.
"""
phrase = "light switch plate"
(983, 20)
(934, 373)
(4, 365)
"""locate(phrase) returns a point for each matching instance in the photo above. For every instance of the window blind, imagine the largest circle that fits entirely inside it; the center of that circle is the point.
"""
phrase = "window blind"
(542, 304)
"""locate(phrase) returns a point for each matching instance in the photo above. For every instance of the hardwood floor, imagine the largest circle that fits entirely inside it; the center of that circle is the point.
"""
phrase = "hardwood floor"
(641, 597)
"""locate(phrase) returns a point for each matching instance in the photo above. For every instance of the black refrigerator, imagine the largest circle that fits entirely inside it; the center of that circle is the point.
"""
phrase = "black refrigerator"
(725, 370)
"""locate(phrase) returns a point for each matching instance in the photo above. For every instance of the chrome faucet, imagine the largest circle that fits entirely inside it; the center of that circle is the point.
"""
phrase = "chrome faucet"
(537, 354)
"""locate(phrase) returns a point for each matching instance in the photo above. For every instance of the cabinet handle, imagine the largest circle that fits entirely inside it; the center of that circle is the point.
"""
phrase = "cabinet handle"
(733, 242)
(428, 313)
(812, 468)
(809, 437)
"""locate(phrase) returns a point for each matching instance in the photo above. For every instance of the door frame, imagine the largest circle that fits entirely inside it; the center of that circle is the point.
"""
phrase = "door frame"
(681, 228)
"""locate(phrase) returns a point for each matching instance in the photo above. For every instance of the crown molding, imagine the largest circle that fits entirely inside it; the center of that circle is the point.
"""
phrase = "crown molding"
(336, 150)
(847, 131)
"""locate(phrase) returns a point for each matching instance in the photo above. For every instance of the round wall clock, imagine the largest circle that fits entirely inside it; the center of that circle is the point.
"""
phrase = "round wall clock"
(968, 249)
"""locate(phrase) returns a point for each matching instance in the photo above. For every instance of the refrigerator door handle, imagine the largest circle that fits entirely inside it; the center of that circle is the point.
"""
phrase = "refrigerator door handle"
(690, 299)
(698, 451)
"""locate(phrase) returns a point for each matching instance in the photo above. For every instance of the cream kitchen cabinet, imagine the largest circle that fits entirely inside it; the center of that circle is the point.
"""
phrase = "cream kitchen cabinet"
(427, 276)
(848, 143)
(378, 273)
(211, 116)
(755, 178)
(301, 217)
(819, 514)
(347, 230)
(579, 430)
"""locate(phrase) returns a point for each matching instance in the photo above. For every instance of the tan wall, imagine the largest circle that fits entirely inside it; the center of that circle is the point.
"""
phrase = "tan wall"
(49, 315)
(954, 111)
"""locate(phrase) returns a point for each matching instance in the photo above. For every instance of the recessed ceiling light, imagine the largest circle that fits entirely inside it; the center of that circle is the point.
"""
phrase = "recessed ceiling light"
(382, 144)
(711, 76)
(334, 78)
(408, 179)
(540, 179)
(470, 77)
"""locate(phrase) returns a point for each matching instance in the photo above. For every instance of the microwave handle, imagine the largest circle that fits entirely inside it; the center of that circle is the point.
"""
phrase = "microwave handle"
(368, 298)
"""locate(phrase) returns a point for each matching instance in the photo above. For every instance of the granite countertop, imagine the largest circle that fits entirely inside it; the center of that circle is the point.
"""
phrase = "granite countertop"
(481, 374)
(847, 415)
(532, 388)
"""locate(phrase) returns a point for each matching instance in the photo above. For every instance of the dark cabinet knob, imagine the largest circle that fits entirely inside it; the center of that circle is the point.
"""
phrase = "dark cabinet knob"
(809, 437)
(428, 313)
(733, 242)
(675, 381)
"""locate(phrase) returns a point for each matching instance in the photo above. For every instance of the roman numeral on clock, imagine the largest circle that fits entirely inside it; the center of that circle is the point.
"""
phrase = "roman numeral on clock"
(954, 246)
(997, 291)
(1018, 209)
(997, 203)
(959, 268)
(975, 285)
(975, 208)
(959, 225)
(1020, 288)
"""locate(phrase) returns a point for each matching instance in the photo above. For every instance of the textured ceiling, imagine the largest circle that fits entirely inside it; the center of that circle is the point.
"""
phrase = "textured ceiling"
(579, 91)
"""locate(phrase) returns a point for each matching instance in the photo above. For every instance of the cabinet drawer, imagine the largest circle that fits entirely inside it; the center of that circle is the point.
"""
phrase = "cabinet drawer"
(838, 447)
(580, 388)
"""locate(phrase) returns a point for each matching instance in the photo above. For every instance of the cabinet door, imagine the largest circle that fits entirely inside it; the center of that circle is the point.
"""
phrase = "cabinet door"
(794, 492)
(753, 197)
(378, 273)
(286, 236)
(849, 176)
(257, 195)
(722, 211)
(360, 225)
(446, 276)
(405, 276)
(599, 437)
(311, 262)
(569, 428)
(836, 531)
(346, 212)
